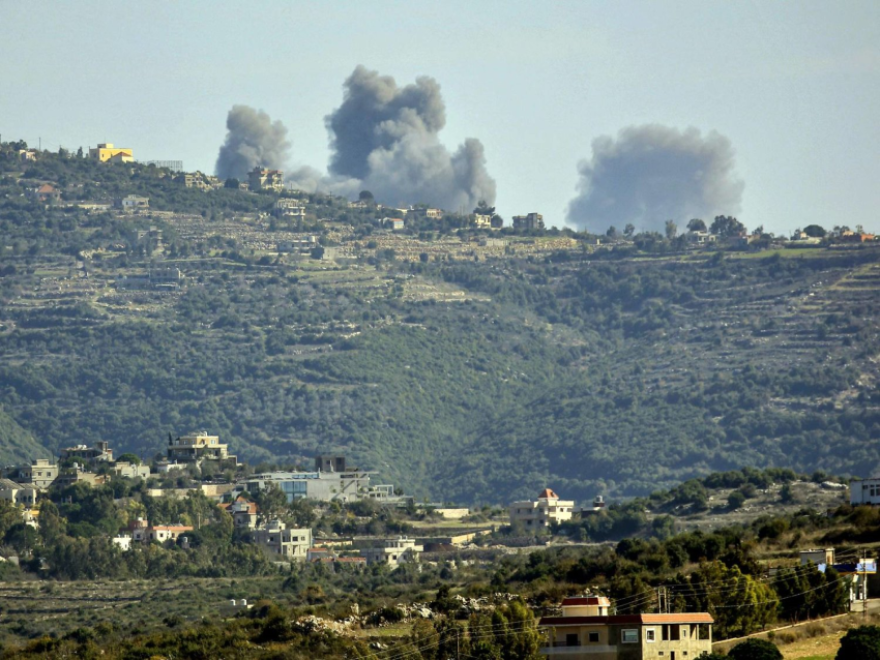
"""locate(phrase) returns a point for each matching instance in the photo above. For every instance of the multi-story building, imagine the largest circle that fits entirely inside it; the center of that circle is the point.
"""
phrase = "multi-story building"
(287, 544)
(528, 221)
(263, 179)
(101, 452)
(244, 513)
(586, 631)
(106, 152)
(865, 491)
(40, 474)
(547, 510)
(197, 446)
(131, 470)
(424, 212)
(393, 552)
(348, 486)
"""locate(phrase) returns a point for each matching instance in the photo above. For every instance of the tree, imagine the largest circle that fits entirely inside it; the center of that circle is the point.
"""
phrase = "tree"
(862, 643)
(423, 257)
(134, 459)
(755, 649)
(232, 183)
(736, 499)
(815, 231)
(671, 229)
(712, 656)
(696, 224)
(629, 230)
(612, 232)
(726, 226)
(786, 495)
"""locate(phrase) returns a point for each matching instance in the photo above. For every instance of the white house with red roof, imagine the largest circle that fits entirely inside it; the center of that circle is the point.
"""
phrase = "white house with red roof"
(547, 510)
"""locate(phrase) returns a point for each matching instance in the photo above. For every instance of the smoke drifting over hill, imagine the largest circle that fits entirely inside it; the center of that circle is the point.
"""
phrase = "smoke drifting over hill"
(252, 140)
(654, 173)
(385, 138)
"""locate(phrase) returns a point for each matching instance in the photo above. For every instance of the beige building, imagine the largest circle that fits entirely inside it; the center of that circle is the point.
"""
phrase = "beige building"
(528, 221)
(17, 493)
(283, 543)
(547, 510)
(586, 631)
(143, 532)
(393, 552)
(41, 473)
(89, 455)
(197, 446)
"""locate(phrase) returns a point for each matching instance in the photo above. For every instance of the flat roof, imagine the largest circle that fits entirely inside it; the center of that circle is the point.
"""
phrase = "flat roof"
(618, 619)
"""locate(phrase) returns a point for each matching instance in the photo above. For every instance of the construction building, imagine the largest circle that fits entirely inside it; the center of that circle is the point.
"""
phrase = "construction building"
(283, 543)
(529, 221)
(262, 179)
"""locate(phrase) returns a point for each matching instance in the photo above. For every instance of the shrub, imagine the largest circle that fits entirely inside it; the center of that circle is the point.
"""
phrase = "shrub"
(755, 649)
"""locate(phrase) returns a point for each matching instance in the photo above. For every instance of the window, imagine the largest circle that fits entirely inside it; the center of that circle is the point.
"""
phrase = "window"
(629, 636)
(571, 639)
(594, 637)
(650, 635)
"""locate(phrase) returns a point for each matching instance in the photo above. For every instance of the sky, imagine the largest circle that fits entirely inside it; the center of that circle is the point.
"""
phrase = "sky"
(794, 87)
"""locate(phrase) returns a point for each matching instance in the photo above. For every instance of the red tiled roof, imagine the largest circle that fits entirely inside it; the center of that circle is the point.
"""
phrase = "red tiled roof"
(548, 494)
(585, 600)
(686, 617)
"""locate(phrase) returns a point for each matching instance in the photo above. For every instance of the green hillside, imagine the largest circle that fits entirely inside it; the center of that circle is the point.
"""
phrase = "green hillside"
(16, 444)
(457, 370)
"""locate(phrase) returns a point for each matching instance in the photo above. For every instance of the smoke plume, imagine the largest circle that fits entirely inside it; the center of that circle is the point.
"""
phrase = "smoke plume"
(252, 140)
(654, 173)
(385, 138)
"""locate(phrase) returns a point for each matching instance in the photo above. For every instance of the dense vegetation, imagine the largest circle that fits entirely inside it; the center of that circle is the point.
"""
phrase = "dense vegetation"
(589, 372)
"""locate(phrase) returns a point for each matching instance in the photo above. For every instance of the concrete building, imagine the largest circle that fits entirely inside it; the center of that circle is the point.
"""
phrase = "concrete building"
(101, 452)
(394, 224)
(106, 152)
(73, 476)
(17, 493)
(865, 491)
(45, 193)
(423, 212)
(286, 544)
(528, 221)
(547, 510)
(818, 556)
(348, 486)
(130, 470)
(40, 474)
(393, 552)
(586, 631)
(482, 221)
(262, 179)
(123, 542)
(132, 203)
(244, 513)
(197, 446)
(300, 244)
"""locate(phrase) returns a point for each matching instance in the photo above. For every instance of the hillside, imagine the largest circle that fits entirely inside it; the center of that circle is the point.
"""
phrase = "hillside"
(459, 371)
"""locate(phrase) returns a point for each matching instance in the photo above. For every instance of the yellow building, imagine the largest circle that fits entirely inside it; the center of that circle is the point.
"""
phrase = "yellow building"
(107, 152)
(197, 446)
(547, 510)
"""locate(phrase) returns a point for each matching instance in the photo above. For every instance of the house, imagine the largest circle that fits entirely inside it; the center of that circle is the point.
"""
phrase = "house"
(529, 221)
(143, 532)
(198, 180)
(394, 224)
(106, 152)
(244, 513)
(482, 221)
(40, 474)
(69, 477)
(101, 452)
(130, 470)
(864, 491)
(287, 544)
(263, 179)
(818, 556)
(132, 203)
(393, 552)
(197, 446)
(46, 193)
(586, 631)
(164, 467)
(27, 154)
(122, 541)
(287, 207)
(425, 212)
(300, 244)
(700, 237)
(17, 493)
(547, 510)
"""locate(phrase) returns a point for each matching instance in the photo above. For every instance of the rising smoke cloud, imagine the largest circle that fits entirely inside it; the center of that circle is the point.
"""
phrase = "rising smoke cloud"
(384, 138)
(252, 140)
(654, 173)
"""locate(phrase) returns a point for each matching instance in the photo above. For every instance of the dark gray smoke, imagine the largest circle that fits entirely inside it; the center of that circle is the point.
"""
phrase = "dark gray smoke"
(653, 173)
(252, 140)
(385, 138)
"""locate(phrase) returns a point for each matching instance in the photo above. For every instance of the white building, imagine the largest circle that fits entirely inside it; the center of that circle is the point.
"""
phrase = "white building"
(17, 493)
(547, 510)
(865, 491)
(393, 552)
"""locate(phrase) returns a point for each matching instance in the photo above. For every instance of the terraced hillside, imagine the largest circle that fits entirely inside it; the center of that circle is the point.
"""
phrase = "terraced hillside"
(459, 366)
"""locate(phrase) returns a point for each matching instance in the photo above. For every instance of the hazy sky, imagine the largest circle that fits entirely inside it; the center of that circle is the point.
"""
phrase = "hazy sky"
(794, 86)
